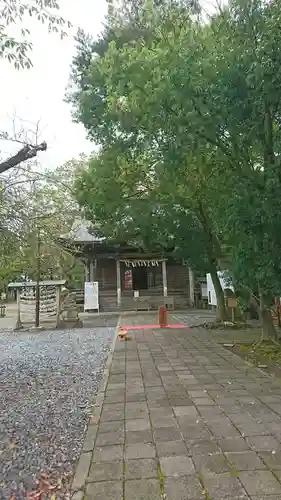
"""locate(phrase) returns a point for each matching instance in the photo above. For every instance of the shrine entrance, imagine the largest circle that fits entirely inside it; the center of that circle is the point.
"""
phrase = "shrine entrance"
(140, 280)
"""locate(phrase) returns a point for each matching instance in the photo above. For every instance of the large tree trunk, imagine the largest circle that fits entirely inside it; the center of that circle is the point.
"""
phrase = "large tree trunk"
(214, 252)
(269, 330)
(221, 309)
(268, 325)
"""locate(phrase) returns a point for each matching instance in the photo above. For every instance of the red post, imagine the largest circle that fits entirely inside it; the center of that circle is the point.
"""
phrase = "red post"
(162, 317)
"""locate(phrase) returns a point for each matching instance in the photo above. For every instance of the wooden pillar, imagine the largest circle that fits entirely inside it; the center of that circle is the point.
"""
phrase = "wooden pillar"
(92, 273)
(58, 305)
(191, 279)
(164, 276)
(18, 322)
(87, 271)
(118, 279)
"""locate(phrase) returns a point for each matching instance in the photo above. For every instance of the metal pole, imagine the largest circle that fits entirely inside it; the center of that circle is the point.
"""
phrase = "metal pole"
(118, 276)
(38, 276)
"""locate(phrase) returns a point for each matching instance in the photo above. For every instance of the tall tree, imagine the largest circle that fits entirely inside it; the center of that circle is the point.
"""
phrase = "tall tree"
(35, 210)
(14, 12)
(125, 202)
(145, 123)
(17, 50)
(203, 100)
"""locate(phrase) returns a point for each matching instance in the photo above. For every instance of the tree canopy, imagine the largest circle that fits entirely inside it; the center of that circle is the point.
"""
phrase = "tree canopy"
(13, 15)
(16, 45)
(36, 208)
(188, 123)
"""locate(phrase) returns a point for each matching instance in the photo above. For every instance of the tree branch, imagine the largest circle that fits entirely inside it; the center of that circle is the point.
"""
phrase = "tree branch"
(24, 154)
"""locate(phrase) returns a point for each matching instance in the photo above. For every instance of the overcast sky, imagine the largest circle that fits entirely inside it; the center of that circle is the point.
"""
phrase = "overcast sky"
(37, 94)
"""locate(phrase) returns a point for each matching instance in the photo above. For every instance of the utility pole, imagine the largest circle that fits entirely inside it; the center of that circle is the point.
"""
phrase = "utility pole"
(38, 276)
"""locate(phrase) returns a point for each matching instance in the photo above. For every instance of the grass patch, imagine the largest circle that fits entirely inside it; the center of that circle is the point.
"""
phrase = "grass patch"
(233, 472)
(266, 350)
(161, 481)
(204, 492)
(266, 356)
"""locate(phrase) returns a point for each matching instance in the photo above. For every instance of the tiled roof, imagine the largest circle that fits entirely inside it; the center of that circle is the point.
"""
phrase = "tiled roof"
(80, 232)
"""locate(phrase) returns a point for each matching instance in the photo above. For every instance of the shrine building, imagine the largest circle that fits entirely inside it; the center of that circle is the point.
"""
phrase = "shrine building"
(130, 278)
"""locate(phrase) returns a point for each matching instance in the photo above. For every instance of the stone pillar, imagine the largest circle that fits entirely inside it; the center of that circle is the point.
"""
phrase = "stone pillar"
(191, 279)
(118, 280)
(164, 276)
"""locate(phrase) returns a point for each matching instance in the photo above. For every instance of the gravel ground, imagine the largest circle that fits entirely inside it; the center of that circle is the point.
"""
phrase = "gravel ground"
(47, 384)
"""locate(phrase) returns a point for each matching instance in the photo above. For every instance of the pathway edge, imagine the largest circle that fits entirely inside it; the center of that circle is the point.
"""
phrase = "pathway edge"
(84, 460)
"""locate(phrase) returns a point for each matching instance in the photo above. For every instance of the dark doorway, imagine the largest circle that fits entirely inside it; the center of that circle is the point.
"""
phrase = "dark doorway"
(139, 278)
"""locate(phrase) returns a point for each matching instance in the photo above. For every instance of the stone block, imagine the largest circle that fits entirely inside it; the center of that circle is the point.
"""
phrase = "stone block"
(182, 411)
(108, 453)
(112, 415)
(202, 447)
(140, 450)
(78, 495)
(224, 487)
(81, 472)
(144, 436)
(203, 401)
(141, 468)
(90, 438)
(110, 438)
(252, 429)
(233, 444)
(263, 443)
(273, 461)
(171, 448)
(138, 424)
(166, 434)
(260, 482)
(164, 422)
(143, 489)
(106, 471)
(137, 412)
(112, 426)
(183, 488)
(206, 464)
(109, 490)
(246, 460)
(175, 466)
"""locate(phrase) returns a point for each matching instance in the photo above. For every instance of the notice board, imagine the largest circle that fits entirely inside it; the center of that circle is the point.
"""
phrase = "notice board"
(91, 296)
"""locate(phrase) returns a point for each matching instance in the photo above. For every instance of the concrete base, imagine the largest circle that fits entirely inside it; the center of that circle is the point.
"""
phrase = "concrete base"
(64, 324)
(37, 328)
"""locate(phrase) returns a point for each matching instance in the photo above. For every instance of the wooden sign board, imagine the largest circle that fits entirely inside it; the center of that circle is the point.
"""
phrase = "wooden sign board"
(232, 302)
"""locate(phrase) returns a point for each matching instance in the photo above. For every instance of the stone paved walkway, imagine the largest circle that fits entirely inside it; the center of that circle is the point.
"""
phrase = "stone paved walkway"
(182, 418)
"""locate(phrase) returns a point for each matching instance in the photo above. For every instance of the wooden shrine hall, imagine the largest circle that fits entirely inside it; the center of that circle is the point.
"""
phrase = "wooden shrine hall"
(128, 277)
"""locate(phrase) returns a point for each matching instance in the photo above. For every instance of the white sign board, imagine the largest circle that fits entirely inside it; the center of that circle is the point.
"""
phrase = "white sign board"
(91, 296)
(204, 290)
(212, 299)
